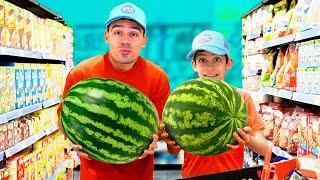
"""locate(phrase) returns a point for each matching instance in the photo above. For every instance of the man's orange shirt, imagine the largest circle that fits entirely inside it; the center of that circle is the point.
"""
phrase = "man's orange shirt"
(144, 76)
(195, 165)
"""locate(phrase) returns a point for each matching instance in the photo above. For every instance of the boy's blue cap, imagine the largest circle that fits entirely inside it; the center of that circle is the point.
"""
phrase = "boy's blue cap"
(210, 41)
(127, 11)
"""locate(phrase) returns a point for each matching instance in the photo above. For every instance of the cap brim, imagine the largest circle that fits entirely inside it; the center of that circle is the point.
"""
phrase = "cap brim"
(109, 21)
(210, 49)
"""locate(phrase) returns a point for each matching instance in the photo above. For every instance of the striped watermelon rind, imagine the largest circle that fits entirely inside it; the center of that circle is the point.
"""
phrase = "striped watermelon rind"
(112, 121)
(201, 116)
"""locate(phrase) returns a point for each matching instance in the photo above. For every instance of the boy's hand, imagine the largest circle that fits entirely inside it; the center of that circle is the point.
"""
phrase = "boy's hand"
(242, 136)
(173, 148)
(78, 149)
(152, 147)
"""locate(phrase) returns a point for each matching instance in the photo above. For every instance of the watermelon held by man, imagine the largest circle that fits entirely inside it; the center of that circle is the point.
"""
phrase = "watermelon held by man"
(201, 115)
(112, 121)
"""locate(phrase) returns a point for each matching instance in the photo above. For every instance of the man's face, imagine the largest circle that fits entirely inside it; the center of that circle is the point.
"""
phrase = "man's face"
(210, 65)
(125, 38)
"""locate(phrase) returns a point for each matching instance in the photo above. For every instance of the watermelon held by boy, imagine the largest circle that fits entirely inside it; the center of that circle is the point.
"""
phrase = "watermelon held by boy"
(112, 121)
(201, 116)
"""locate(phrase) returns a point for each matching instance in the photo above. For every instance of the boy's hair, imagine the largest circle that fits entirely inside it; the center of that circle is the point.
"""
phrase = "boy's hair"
(200, 51)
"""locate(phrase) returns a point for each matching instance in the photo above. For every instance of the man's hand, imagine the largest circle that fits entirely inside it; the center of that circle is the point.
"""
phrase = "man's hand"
(78, 149)
(242, 136)
(173, 148)
(152, 147)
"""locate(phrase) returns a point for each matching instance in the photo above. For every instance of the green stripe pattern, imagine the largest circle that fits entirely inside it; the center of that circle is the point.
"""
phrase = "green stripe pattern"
(112, 121)
(201, 116)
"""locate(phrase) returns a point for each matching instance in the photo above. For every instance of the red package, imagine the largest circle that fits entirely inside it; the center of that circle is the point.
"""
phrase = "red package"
(303, 134)
(313, 135)
(293, 135)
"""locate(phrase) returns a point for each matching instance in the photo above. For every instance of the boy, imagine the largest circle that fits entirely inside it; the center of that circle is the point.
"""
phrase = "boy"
(211, 59)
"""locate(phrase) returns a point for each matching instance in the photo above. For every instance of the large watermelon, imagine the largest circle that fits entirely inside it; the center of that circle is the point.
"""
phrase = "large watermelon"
(201, 116)
(112, 121)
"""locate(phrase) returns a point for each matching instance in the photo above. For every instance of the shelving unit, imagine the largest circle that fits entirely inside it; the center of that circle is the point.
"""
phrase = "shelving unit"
(252, 43)
(37, 9)
(27, 142)
(6, 117)
(5, 51)
(38, 66)
(57, 171)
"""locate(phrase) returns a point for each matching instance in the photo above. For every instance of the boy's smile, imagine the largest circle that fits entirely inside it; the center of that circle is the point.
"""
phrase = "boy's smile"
(211, 66)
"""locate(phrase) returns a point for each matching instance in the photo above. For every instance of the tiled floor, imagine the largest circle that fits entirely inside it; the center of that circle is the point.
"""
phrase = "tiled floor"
(158, 175)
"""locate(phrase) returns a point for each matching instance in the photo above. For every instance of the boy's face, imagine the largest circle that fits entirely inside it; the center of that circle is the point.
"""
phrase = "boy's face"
(211, 66)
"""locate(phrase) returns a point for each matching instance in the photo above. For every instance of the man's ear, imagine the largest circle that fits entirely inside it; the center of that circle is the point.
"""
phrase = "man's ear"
(229, 63)
(194, 66)
(106, 36)
(145, 40)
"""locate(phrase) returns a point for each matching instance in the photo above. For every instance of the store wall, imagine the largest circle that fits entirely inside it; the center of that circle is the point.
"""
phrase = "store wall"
(171, 28)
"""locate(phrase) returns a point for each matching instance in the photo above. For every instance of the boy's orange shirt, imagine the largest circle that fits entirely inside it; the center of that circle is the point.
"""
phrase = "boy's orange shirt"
(195, 165)
(144, 76)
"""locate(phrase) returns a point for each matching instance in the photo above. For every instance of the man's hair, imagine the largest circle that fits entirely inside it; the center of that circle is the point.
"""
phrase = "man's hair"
(200, 51)
(143, 30)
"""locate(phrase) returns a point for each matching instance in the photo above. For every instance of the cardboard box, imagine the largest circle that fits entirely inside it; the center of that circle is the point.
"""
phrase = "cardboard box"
(10, 94)
(3, 85)
(10, 24)
(1, 21)
(303, 132)
(3, 137)
(27, 90)
(313, 136)
(19, 85)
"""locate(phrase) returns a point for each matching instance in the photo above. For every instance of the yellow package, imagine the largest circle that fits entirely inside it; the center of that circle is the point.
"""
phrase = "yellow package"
(3, 84)
(290, 72)
(280, 74)
(11, 93)
(279, 64)
(279, 11)
(312, 17)
(15, 36)
(1, 19)
(266, 72)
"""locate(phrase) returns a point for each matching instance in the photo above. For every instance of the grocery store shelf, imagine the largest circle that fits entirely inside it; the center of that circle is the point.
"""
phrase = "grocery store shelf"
(254, 35)
(311, 33)
(5, 51)
(37, 9)
(285, 93)
(26, 143)
(277, 92)
(51, 57)
(269, 91)
(57, 171)
(279, 41)
(4, 118)
(51, 130)
(279, 152)
(313, 99)
(50, 103)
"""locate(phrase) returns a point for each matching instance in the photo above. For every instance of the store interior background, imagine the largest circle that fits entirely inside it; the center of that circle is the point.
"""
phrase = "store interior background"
(171, 26)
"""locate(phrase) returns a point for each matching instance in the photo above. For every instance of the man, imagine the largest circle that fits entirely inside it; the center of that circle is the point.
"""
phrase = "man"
(126, 35)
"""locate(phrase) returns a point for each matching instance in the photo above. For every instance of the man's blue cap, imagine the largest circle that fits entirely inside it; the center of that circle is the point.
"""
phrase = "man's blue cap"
(127, 11)
(211, 41)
